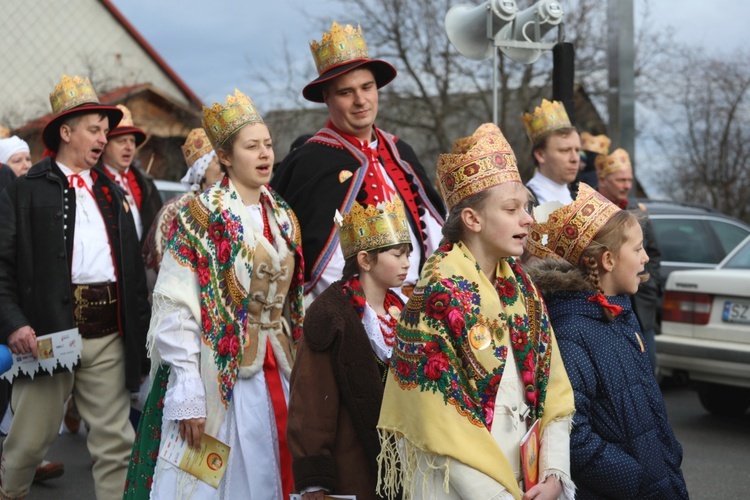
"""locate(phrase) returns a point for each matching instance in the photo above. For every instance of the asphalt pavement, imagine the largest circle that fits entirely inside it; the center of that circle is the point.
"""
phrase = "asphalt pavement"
(716, 454)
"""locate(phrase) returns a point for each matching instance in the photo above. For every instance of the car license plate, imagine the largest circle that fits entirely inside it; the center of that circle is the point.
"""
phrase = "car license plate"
(736, 312)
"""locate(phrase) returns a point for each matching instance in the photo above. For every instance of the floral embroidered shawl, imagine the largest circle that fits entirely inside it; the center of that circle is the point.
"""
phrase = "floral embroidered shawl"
(451, 347)
(208, 239)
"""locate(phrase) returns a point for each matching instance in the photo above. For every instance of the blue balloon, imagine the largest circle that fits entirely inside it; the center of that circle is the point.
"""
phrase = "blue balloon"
(6, 359)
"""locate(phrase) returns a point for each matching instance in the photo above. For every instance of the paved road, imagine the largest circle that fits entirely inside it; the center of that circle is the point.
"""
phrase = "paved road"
(716, 464)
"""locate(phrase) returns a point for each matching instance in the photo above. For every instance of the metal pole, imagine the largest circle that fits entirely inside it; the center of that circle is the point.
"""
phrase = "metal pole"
(495, 61)
(495, 71)
(621, 98)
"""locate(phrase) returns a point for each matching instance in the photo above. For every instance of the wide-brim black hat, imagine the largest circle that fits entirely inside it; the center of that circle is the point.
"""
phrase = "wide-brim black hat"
(51, 132)
(383, 72)
(139, 134)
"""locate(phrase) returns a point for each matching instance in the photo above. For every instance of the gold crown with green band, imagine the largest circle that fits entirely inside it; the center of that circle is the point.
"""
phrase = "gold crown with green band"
(548, 117)
(370, 227)
(72, 92)
(221, 121)
(339, 46)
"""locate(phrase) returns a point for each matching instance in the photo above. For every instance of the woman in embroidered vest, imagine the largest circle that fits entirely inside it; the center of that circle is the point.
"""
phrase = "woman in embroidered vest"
(475, 362)
(622, 445)
(339, 372)
(218, 337)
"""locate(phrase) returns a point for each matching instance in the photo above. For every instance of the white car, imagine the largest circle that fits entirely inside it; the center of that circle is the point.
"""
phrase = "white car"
(706, 331)
(169, 189)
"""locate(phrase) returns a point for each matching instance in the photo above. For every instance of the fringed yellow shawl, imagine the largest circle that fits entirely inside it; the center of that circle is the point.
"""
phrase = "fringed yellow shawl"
(451, 348)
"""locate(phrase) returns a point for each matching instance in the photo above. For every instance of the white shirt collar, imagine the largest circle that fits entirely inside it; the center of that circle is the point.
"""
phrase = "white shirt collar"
(559, 192)
(85, 174)
(114, 171)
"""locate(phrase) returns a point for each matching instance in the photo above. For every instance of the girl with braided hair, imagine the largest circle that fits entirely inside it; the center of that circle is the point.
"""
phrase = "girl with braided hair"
(588, 258)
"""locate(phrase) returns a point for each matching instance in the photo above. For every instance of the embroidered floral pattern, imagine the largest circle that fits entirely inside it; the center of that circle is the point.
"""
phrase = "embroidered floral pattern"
(434, 351)
(147, 440)
(210, 240)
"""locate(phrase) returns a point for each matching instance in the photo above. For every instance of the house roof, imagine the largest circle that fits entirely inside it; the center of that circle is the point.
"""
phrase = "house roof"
(151, 52)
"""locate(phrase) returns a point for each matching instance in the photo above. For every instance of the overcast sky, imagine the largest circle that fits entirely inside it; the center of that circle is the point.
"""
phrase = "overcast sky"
(209, 43)
(215, 45)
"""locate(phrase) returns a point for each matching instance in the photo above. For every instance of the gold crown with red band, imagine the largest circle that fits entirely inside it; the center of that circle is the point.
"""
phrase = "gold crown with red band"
(569, 230)
(221, 121)
(339, 46)
(488, 162)
(196, 146)
(462, 145)
(548, 117)
(372, 227)
(72, 92)
(595, 143)
(617, 161)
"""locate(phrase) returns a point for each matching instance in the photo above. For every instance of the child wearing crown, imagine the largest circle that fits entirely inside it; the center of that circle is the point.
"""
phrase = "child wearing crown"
(339, 372)
(475, 364)
(622, 445)
(221, 350)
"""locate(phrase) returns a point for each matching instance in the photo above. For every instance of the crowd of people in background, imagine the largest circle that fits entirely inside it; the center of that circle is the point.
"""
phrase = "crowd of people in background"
(335, 323)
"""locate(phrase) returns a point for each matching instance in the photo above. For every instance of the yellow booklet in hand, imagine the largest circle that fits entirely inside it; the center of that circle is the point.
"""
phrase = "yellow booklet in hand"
(207, 463)
(530, 456)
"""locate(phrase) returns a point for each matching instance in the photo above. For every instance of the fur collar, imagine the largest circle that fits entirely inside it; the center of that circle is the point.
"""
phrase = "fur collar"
(557, 275)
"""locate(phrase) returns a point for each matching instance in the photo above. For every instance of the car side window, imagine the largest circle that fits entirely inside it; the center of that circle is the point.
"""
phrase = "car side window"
(684, 240)
(740, 260)
(728, 235)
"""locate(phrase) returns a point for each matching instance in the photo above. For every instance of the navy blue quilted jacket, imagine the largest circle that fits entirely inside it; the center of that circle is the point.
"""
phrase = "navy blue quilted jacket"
(622, 445)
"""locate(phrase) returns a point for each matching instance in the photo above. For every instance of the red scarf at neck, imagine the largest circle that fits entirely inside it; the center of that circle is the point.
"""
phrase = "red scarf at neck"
(375, 185)
(130, 178)
(352, 289)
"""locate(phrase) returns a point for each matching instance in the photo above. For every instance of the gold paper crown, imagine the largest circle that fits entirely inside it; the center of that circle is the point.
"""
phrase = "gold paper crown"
(338, 46)
(220, 122)
(488, 162)
(127, 116)
(372, 227)
(548, 117)
(72, 92)
(617, 161)
(570, 229)
(4, 132)
(196, 145)
(462, 145)
(596, 143)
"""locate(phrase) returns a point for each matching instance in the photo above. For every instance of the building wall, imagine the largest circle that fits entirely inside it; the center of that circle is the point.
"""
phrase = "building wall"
(43, 39)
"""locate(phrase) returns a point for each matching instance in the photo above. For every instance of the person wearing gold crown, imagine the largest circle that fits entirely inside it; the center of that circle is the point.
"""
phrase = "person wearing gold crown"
(351, 159)
(475, 364)
(69, 258)
(591, 147)
(615, 174)
(556, 149)
(339, 372)
(589, 261)
(117, 163)
(221, 339)
(203, 171)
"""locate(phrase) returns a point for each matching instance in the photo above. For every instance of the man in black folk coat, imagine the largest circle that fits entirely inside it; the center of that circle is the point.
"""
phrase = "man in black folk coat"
(351, 159)
(117, 164)
(69, 258)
